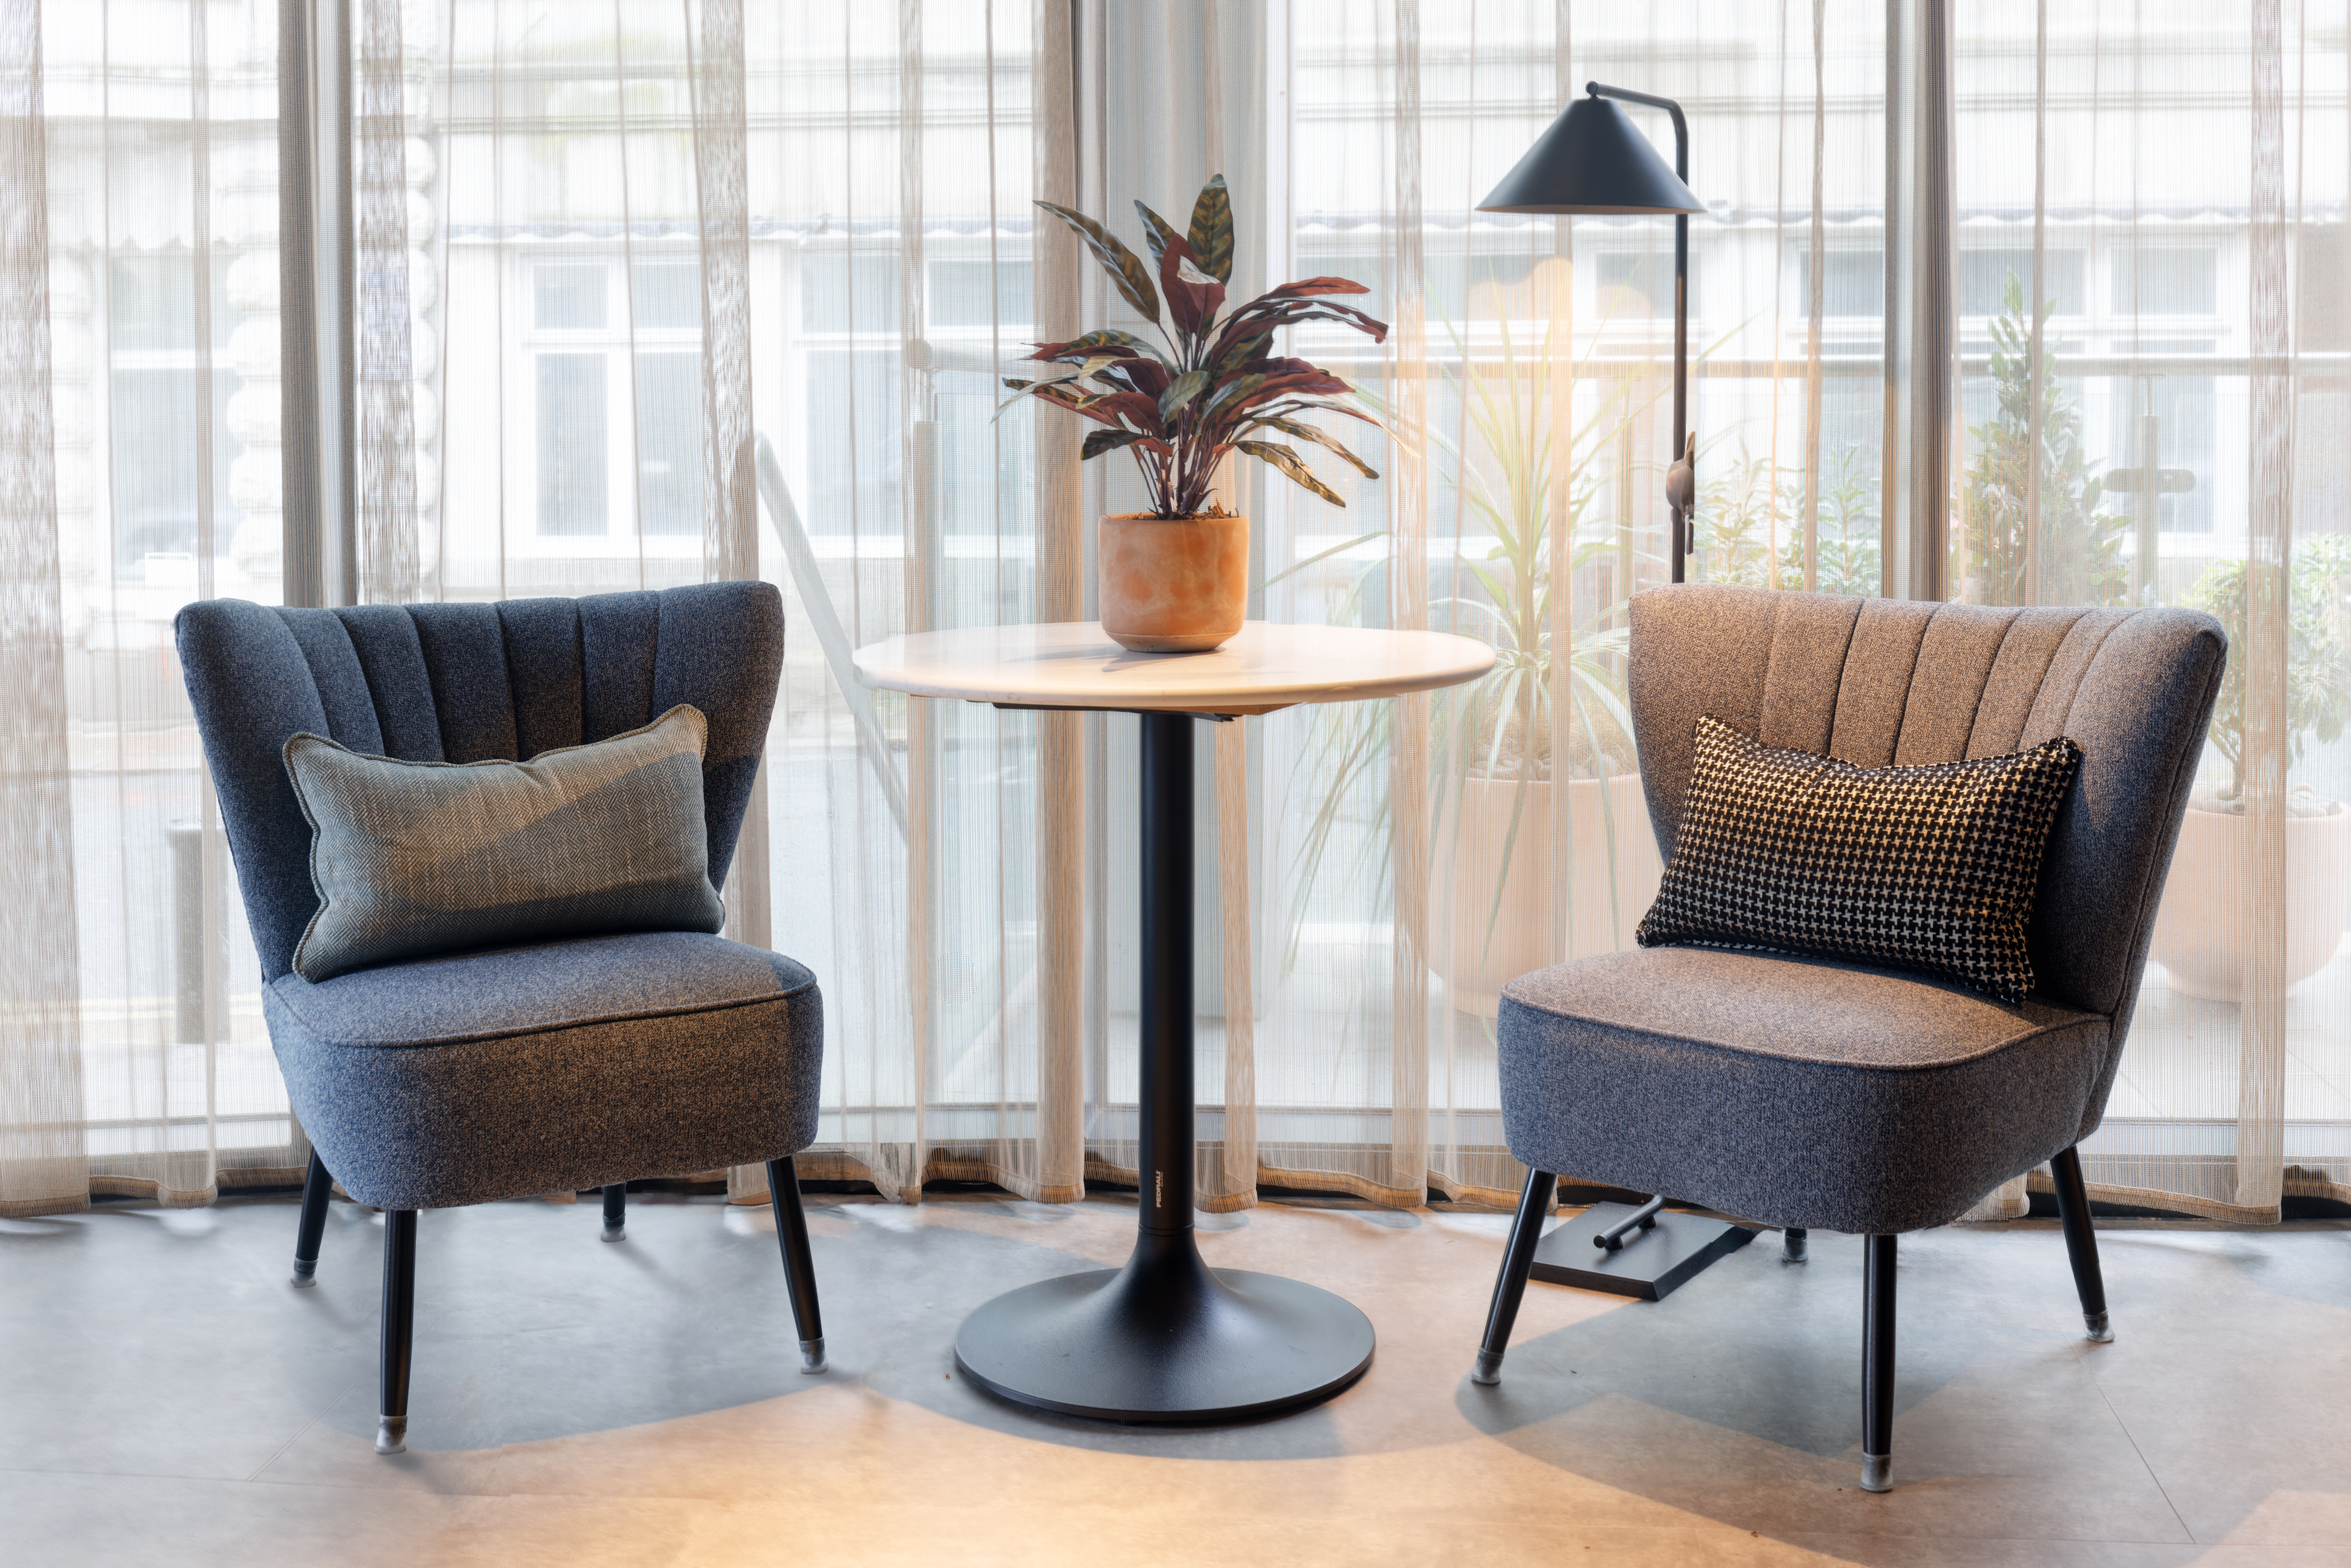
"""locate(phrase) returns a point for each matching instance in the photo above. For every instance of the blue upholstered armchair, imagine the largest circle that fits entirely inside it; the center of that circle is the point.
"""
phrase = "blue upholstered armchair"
(549, 1067)
(1806, 1093)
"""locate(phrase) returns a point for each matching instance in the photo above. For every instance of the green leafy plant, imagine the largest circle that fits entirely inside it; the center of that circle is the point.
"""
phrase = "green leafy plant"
(1849, 545)
(1182, 411)
(2318, 645)
(2080, 543)
(1509, 486)
(1500, 727)
(1739, 508)
(1751, 504)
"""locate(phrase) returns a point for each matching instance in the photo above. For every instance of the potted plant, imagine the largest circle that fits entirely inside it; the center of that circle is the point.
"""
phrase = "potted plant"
(1175, 579)
(2205, 924)
(1752, 504)
(2079, 542)
(1509, 746)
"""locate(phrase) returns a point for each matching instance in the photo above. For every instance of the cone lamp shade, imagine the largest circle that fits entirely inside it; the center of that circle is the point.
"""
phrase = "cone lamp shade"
(1592, 159)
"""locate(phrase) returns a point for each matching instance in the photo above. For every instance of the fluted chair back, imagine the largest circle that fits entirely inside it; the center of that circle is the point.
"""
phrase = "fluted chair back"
(465, 683)
(1883, 682)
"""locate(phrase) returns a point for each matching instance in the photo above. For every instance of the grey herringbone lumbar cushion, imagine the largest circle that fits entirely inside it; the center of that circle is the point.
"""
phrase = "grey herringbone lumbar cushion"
(1931, 867)
(410, 858)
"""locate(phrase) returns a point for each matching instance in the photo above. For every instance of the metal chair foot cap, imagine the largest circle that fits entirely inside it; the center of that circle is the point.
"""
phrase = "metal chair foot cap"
(306, 1273)
(1792, 1247)
(392, 1435)
(1877, 1472)
(1488, 1371)
(2102, 1332)
(811, 1356)
(614, 1232)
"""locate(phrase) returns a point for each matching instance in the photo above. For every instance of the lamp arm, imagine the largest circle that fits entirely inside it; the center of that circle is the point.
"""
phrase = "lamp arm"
(1680, 525)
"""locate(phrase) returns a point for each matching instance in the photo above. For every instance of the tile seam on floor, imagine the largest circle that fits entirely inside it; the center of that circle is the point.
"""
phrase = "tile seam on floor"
(2161, 1491)
(284, 1446)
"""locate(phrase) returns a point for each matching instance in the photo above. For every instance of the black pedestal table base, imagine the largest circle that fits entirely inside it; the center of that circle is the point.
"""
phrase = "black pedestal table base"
(1167, 1338)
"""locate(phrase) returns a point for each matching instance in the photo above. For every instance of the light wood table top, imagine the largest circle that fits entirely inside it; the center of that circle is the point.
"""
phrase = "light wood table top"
(1073, 665)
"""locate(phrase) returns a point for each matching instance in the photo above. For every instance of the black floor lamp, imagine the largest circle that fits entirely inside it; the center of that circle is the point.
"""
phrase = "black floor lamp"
(1594, 159)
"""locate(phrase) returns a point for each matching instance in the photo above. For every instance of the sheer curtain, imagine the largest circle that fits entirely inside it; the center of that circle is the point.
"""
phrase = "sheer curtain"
(1420, 852)
(659, 291)
(725, 290)
(2150, 277)
(138, 470)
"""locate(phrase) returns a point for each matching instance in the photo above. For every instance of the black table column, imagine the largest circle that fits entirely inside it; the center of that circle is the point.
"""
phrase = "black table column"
(1165, 1338)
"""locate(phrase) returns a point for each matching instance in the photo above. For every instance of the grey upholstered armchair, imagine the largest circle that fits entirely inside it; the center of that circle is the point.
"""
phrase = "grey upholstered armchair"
(1809, 1093)
(549, 1067)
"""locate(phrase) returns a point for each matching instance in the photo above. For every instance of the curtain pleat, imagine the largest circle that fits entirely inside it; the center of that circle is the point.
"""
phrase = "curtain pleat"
(2269, 552)
(388, 534)
(1060, 529)
(43, 1166)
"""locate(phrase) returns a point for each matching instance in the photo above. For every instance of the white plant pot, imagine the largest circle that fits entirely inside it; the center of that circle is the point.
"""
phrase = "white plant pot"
(2203, 928)
(1484, 952)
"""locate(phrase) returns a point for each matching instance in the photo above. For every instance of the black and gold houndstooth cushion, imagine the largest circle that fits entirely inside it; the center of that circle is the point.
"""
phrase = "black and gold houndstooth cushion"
(1930, 867)
(416, 858)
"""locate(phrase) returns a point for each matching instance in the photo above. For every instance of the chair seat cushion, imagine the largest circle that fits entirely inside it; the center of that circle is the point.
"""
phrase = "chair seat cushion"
(467, 1077)
(1792, 1090)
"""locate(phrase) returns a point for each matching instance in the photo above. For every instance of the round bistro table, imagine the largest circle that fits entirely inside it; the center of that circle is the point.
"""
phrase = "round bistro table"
(1167, 1338)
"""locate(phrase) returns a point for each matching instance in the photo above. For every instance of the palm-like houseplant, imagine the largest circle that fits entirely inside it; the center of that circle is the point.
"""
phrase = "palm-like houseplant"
(1512, 743)
(1502, 744)
(2204, 925)
(1212, 386)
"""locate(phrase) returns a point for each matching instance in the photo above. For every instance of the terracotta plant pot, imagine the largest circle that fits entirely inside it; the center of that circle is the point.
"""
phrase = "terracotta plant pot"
(1524, 935)
(2204, 926)
(1176, 585)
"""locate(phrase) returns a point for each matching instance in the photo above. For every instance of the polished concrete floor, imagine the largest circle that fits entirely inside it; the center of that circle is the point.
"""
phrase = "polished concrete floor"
(165, 1398)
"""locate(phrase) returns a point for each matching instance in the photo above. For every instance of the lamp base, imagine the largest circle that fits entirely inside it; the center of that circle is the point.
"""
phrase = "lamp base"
(1649, 1266)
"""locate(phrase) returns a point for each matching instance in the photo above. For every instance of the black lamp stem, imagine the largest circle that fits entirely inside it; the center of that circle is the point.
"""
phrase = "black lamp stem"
(1680, 546)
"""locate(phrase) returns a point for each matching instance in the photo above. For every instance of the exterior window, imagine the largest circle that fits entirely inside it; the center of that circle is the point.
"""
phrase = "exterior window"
(1852, 283)
(2169, 281)
(667, 296)
(616, 383)
(1635, 284)
(158, 407)
(1983, 278)
(572, 486)
(959, 294)
(669, 444)
(568, 296)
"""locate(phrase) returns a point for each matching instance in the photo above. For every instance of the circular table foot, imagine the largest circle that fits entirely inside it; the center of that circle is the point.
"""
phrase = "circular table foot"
(1166, 1338)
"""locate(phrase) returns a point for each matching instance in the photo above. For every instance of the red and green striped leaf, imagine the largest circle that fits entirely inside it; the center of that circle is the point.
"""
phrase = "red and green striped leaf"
(1180, 391)
(1211, 234)
(1125, 268)
(1156, 232)
(1291, 465)
(1101, 441)
(1319, 438)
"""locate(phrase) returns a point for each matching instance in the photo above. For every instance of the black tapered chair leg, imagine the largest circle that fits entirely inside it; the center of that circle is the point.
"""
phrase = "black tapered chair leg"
(1510, 1285)
(2081, 1243)
(1877, 1363)
(1794, 1242)
(800, 1263)
(399, 1328)
(616, 1209)
(315, 1187)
